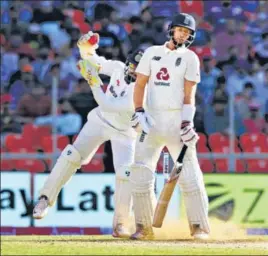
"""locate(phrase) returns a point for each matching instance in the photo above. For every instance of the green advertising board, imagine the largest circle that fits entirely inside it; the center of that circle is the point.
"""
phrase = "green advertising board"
(240, 198)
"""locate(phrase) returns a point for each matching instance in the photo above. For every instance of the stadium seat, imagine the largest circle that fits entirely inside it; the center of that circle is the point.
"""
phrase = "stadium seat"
(95, 165)
(17, 142)
(35, 134)
(202, 148)
(206, 165)
(257, 165)
(31, 165)
(225, 149)
(202, 139)
(47, 143)
(249, 141)
(222, 165)
(217, 140)
(6, 164)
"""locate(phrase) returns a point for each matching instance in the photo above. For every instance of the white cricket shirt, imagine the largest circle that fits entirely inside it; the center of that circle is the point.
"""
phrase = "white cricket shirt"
(167, 70)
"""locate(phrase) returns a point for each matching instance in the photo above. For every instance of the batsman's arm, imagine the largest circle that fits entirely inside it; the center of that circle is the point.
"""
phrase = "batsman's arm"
(191, 79)
(139, 88)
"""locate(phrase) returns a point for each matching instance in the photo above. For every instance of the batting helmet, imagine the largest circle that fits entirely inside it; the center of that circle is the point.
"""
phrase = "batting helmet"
(186, 21)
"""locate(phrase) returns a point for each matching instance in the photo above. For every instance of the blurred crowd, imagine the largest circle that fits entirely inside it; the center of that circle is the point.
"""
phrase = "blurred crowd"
(38, 44)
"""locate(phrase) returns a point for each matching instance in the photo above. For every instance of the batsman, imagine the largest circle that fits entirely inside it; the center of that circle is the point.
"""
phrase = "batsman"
(170, 74)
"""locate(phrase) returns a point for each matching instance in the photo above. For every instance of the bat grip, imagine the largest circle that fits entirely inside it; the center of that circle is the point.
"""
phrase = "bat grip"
(182, 153)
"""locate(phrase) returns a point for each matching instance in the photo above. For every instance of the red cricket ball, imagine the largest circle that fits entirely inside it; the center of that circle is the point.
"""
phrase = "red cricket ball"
(93, 40)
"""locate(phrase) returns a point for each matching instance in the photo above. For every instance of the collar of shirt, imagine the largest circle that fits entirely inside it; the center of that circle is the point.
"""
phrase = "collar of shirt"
(179, 50)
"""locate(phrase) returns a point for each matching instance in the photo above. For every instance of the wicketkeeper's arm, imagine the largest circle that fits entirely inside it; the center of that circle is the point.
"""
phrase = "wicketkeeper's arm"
(109, 104)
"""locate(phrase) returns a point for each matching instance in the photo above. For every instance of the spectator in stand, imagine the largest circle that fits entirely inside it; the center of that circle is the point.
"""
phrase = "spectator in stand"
(261, 79)
(46, 11)
(33, 104)
(158, 31)
(209, 75)
(217, 118)
(64, 85)
(42, 63)
(22, 86)
(68, 66)
(244, 99)
(127, 8)
(136, 32)
(237, 79)
(35, 38)
(262, 49)
(24, 66)
(17, 44)
(68, 122)
(9, 123)
(82, 100)
(255, 123)
(230, 37)
(147, 18)
(220, 90)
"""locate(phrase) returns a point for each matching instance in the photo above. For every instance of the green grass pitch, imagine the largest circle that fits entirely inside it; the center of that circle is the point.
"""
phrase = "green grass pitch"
(106, 245)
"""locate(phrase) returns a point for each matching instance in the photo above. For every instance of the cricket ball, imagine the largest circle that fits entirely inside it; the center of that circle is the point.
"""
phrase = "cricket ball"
(93, 39)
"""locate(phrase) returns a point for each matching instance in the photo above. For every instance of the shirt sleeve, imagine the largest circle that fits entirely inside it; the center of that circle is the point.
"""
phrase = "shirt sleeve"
(144, 66)
(108, 66)
(110, 104)
(193, 69)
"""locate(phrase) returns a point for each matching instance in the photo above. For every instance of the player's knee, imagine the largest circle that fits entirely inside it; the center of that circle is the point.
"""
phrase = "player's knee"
(142, 178)
(123, 172)
(71, 154)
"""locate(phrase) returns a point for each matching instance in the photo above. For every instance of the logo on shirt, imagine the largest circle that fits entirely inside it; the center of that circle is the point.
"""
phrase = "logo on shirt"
(178, 62)
(156, 58)
(162, 75)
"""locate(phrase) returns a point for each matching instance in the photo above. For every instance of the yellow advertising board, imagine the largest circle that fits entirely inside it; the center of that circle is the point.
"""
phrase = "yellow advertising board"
(240, 198)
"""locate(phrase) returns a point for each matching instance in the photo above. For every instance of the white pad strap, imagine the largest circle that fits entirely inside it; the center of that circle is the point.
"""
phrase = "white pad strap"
(194, 193)
(144, 200)
(66, 165)
(188, 112)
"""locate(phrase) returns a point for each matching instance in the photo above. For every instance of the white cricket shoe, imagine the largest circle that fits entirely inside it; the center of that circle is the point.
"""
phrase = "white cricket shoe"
(143, 233)
(41, 208)
(200, 235)
(120, 232)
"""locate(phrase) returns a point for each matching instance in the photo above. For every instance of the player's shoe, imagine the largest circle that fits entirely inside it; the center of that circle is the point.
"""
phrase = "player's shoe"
(200, 234)
(41, 208)
(143, 233)
(90, 71)
(120, 232)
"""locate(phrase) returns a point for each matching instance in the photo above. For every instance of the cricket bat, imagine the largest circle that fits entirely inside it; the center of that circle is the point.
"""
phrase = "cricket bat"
(167, 191)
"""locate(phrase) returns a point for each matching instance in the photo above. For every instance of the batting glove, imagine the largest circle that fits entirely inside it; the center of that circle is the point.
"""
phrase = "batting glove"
(188, 135)
(142, 121)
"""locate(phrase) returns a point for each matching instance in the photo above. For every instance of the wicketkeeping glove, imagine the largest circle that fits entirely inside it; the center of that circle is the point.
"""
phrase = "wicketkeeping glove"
(90, 72)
